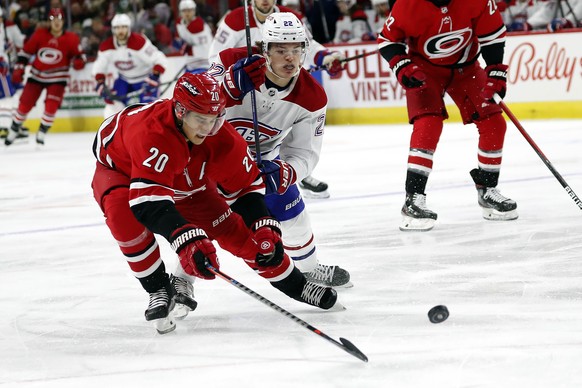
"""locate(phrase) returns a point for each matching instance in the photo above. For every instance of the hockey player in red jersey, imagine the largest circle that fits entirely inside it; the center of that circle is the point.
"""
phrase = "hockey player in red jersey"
(444, 40)
(177, 169)
(54, 50)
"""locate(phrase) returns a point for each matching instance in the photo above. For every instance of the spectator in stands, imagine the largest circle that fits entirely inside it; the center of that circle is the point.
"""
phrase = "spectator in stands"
(379, 16)
(352, 26)
(555, 15)
(322, 17)
(27, 17)
(193, 37)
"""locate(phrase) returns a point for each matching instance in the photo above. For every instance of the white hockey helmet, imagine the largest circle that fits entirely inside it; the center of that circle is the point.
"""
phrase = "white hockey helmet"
(351, 3)
(121, 19)
(378, 2)
(189, 4)
(290, 3)
(284, 27)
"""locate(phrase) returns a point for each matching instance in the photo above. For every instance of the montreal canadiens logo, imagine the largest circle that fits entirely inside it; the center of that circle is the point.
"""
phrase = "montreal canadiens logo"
(245, 128)
(49, 56)
(124, 65)
(447, 44)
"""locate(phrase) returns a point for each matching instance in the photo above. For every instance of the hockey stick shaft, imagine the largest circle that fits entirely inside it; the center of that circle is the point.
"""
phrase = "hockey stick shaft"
(362, 55)
(169, 83)
(253, 95)
(538, 151)
(345, 345)
(109, 95)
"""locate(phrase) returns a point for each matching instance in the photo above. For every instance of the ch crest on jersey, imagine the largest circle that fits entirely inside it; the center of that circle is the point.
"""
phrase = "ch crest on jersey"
(245, 128)
(124, 65)
(447, 43)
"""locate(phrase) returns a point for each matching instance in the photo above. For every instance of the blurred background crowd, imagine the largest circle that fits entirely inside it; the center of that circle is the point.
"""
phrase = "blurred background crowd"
(330, 21)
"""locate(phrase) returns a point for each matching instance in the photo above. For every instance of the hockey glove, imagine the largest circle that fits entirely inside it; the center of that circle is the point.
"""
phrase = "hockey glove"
(558, 24)
(245, 75)
(332, 61)
(279, 176)
(409, 75)
(267, 236)
(496, 81)
(18, 74)
(195, 250)
(100, 87)
(78, 63)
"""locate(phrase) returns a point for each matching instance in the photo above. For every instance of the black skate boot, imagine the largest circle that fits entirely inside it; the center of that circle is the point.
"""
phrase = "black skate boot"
(495, 206)
(415, 215)
(160, 308)
(329, 276)
(184, 297)
(297, 287)
(313, 188)
(319, 296)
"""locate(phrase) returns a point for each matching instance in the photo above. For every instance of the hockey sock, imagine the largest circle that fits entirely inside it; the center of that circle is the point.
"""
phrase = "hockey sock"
(292, 285)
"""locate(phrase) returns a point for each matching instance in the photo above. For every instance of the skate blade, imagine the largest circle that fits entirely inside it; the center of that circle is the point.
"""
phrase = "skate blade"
(181, 311)
(494, 215)
(165, 325)
(306, 193)
(349, 284)
(336, 307)
(410, 224)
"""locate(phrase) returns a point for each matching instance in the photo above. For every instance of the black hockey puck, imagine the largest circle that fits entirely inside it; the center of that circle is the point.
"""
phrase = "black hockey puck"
(438, 314)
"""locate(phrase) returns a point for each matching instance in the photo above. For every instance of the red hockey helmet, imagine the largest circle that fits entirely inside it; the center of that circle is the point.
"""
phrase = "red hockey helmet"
(56, 13)
(199, 93)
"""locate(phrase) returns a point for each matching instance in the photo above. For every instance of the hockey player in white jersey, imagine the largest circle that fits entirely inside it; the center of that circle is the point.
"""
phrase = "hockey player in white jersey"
(291, 108)
(138, 63)
(196, 35)
(231, 33)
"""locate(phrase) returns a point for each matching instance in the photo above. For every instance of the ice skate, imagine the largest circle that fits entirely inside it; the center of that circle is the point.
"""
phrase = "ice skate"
(313, 188)
(329, 276)
(15, 134)
(319, 296)
(415, 215)
(40, 136)
(184, 297)
(495, 206)
(160, 310)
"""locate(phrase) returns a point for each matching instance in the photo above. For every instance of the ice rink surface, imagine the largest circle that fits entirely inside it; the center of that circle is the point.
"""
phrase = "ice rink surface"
(71, 314)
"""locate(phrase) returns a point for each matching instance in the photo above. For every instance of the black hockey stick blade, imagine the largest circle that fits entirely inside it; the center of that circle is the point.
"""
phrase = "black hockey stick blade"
(345, 345)
(353, 350)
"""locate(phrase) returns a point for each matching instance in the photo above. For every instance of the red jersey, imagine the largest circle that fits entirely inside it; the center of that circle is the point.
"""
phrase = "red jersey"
(445, 36)
(52, 56)
(143, 143)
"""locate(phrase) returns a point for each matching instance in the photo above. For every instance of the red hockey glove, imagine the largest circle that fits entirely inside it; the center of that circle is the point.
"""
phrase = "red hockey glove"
(279, 176)
(496, 81)
(245, 75)
(268, 239)
(332, 61)
(409, 75)
(18, 74)
(78, 63)
(195, 250)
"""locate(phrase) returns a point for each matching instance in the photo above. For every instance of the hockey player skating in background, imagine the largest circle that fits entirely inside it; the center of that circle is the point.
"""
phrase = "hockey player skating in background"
(352, 26)
(291, 108)
(177, 169)
(54, 50)
(231, 33)
(442, 57)
(136, 60)
(11, 41)
(196, 36)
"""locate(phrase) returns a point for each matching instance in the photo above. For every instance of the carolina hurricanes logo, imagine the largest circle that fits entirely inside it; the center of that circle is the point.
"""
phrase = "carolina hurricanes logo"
(245, 128)
(49, 56)
(448, 43)
(124, 65)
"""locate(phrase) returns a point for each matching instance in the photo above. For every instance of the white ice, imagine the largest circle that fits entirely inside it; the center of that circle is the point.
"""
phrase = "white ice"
(71, 314)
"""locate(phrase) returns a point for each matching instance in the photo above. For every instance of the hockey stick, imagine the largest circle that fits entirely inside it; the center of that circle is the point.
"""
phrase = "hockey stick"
(362, 55)
(538, 151)
(343, 343)
(168, 83)
(253, 95)
(114, 97)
